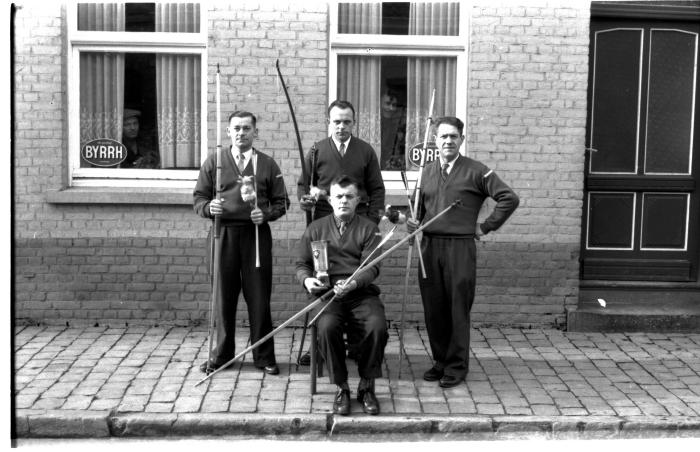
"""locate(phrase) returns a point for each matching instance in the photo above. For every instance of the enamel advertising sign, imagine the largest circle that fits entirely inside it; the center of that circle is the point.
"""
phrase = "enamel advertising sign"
(103, 152)
(414, 153)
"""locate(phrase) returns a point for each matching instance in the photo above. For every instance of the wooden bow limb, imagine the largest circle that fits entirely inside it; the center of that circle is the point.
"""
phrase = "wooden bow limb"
(304, 177)
(254, 157)
(428, 122)
(216, 245)
(413, 216)
(392, 249)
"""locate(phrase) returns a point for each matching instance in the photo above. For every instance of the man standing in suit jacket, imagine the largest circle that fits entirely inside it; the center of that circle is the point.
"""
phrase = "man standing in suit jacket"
(342, 153)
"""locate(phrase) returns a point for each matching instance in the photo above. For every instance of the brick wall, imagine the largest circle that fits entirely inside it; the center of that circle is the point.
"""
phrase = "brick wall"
(147, 264)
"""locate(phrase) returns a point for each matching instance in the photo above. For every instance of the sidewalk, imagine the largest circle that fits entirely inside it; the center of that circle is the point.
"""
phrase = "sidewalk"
(140, 382)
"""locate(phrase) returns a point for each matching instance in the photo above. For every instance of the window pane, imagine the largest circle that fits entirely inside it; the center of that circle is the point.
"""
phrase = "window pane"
(615, 101)
(148, 102)
(670, 116)
(399, 18)
(139, 17)
(391, 96)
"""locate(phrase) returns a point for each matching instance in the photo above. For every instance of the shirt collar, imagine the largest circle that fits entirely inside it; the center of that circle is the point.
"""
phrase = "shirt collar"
(247, 154)
(337, 143)
(338, 221)
(449, 164)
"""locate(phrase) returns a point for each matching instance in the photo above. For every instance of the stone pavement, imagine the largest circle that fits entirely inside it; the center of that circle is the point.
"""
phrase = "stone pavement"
(139, 381)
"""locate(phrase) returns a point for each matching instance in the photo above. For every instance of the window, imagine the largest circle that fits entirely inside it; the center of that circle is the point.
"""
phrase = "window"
(136, 77)
(386, 59)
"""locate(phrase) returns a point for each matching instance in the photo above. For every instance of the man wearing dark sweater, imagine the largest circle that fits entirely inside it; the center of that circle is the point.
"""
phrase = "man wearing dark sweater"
(357, 310)
(239, 219)
(342, 153)
(448, 247)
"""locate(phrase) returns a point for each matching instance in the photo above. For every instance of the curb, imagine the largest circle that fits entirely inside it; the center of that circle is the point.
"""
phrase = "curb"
(103, 424)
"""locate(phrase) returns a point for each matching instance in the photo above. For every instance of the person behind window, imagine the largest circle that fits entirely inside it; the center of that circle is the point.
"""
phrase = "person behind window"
(141, 152)
(342, 153)
(448, 247)
(393, 132)
(357, 310)
(239, 219)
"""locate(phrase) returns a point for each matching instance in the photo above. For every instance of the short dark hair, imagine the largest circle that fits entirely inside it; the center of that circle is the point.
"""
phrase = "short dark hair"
(344, 181)
(243, 114)
(452, 121)
(342, 104)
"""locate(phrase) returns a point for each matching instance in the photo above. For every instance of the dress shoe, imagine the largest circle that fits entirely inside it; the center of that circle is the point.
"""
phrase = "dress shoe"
(450, 381)
(433, 374)
(341, 405)
(208, 367)
(272, 369)
(305, 359)
(368, 400)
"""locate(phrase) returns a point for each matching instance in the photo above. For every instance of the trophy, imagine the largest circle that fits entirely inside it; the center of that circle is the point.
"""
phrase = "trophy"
(319, 251)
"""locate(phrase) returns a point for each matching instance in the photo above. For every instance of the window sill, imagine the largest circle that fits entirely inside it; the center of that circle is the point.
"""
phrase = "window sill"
(95, 195)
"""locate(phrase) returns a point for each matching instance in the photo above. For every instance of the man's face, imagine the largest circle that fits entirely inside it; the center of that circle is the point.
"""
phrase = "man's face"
(448, 141)
(344, 200)
(131, 127)
(340, 122)
(389, 105)
(242, 133)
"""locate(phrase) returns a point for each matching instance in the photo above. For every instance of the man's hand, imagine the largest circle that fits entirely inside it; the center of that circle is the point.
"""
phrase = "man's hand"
(256, 216)
(341, 289)
(314, 286)
(307, 202)
(216, 206)
(412, 225)
(479, 232)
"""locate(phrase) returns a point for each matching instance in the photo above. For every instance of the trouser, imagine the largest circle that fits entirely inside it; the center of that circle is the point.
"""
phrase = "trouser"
(238, 272)
(448, 295)
(362, 317)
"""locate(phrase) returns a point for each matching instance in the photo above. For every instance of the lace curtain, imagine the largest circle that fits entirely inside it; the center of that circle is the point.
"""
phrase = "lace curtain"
(101, 77)
(178, 82)
(426, 74)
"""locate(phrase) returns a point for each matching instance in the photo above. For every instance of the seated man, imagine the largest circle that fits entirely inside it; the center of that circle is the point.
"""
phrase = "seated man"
(357, 309)
(141, 152)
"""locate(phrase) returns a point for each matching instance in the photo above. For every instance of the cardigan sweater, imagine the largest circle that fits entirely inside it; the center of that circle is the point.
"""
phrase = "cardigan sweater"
(271, 191)
(359, 162)
(471, 182)
(345, 253)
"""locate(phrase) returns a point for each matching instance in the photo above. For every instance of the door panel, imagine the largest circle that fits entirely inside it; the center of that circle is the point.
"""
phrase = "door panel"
(616, 101)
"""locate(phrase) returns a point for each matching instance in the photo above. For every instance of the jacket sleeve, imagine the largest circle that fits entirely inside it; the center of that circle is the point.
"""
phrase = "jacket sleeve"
(204, 190)
(277, 194)
(374, 184)
(371, 238)
(506, 201)
(304, 261)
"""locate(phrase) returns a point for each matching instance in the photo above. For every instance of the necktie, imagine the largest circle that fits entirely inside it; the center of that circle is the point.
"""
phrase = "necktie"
(241, 162)
(443, 172)
(343, 227)
(342, 149)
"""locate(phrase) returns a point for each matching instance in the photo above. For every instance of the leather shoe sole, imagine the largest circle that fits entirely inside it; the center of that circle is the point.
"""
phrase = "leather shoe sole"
(369, 402)
(271, 370)
(448, 381)
(341, 405)
(433, 374)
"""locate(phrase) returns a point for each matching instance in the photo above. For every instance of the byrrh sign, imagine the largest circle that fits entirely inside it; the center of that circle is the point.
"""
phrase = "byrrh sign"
(414, 154)
(103, 152)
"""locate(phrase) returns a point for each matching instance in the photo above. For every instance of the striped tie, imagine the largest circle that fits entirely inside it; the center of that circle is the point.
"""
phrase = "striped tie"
(443, 172)
(342, 149)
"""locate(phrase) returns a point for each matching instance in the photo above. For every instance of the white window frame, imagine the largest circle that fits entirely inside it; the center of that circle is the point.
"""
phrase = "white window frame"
(129, 42)
(404, 45)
